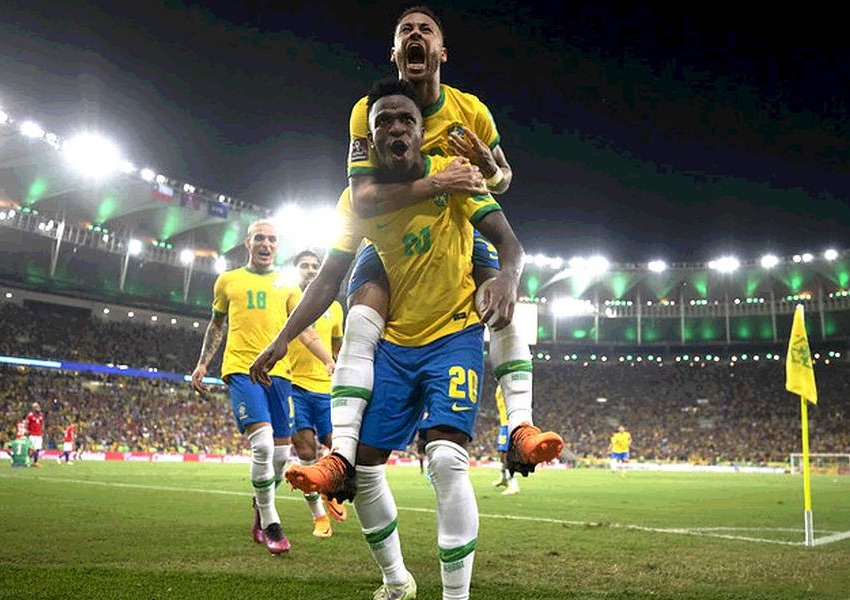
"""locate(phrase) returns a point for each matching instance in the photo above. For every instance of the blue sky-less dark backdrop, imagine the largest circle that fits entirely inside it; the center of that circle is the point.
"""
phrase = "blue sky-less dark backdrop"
(680, 132)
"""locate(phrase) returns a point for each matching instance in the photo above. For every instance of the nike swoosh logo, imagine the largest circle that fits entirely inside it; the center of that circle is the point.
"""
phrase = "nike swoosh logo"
(456, 408)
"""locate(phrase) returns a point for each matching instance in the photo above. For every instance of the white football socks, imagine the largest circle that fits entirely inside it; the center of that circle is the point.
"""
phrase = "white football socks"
(378, 516)
(279, 460)
(353, 379)
(262, 474)
(512, 366)
(457, 516)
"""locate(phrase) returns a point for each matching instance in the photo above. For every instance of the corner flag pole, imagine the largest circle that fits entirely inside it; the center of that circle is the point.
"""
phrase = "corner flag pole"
(800, 380)
(807, 487)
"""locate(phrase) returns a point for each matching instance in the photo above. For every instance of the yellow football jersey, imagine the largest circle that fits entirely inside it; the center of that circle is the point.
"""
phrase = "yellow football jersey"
(308, 371)
(426, 249)
(257, 306)
(453, 109)
(620, 442)
(500, 404)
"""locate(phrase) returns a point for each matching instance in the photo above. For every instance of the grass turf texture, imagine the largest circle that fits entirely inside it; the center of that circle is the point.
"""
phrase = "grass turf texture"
(71, 539)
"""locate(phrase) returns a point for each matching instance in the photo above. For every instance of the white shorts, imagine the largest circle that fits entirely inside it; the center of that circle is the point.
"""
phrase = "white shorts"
(67, 446)
(35, 440)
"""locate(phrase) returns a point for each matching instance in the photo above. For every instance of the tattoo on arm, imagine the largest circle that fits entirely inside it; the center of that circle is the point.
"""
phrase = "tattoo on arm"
(212, 339)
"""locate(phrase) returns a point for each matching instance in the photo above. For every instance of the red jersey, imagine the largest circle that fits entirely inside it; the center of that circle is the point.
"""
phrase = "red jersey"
(70, 432)
(35, 424)
(21, 430)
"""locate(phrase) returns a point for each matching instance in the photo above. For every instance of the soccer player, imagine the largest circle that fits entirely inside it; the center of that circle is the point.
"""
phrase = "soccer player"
(21, 429)
(620, 443)
(252, 304)
(456, 123)
(19, 449)
(35, 430)
(68, 443)
(431, 356)
(311, 394)
(508, 480)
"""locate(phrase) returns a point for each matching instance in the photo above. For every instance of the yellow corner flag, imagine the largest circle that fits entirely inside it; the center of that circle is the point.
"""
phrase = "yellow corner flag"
(799, 374)
(800, 380)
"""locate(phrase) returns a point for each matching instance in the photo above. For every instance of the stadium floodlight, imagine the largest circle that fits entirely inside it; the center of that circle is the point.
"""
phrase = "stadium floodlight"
(571, 307)
(808, 257)
(657, 266)
(222, 197)
(131, 314)
(576, 263)
(220, 265)
(154, 318)
(725, 264)
(8, 295)
(527, 259)
(2, 215)
(541, 260)
(174, 321)
(4, 118)
(52, 139)
(31, 129)
(106, 310)
(597, 265)
(188, 187)
(161, 179)
(127, 167)
(147, 174)
(196, 324)
(187, 256)
(134, 247)
(92, 155)
(768, 261)
(556, 263)
(830, 254)
(797, 258)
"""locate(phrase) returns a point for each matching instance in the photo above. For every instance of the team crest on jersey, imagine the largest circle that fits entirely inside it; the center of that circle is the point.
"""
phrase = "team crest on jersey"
(456, 128)
(442, 199)
(243, 411)
(359, 150)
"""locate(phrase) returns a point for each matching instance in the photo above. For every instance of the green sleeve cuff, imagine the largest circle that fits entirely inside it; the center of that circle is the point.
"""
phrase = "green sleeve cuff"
(355, 171)
(495, 142)
(483, 212)
(218, 313)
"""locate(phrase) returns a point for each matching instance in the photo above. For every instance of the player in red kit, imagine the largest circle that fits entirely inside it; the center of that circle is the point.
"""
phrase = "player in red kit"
(35, 429)
(68, 444)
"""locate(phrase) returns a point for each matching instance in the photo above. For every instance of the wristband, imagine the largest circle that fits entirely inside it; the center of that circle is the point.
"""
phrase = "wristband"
(496, 179)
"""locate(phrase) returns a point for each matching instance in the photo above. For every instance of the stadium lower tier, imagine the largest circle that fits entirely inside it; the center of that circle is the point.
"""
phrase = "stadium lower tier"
(689, 412)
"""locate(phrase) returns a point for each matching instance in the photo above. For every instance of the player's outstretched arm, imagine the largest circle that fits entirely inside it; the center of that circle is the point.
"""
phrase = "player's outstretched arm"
(318, 296)
(370, 197)
(216, 329)
(501, 292)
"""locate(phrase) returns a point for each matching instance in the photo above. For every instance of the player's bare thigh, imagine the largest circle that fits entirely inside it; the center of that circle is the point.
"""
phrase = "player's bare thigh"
(375, 294)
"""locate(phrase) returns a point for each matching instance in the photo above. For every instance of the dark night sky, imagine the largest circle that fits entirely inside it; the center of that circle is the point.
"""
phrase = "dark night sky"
(637, 132)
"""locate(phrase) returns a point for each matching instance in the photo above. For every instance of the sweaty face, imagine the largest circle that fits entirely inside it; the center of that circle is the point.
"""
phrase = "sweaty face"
(395, 126)
(308, 267)
(262, 246)
(418, 47)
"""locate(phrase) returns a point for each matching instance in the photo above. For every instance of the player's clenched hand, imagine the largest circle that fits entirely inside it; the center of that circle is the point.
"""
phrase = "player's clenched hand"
(460, 177)
(265, 362)
(198, 379)
(331, 367)
(470, 145)
(497, 308)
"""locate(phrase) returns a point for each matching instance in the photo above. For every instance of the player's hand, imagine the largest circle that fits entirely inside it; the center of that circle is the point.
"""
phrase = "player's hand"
(461, 177)
(499, 299)
(198, 379)
(470, 145)
(265, 362)
(331, 367)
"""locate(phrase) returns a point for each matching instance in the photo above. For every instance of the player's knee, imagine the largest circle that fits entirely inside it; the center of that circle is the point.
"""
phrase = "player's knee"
(364, 324)
(446, 460)
(371, 483)
(262, 445)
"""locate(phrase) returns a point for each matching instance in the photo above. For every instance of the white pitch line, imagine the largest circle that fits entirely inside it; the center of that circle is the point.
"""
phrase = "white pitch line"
(832, 538)
(702, 532)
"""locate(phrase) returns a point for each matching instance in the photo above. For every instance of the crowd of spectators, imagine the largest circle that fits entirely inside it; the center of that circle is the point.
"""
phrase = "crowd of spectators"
(697, 412)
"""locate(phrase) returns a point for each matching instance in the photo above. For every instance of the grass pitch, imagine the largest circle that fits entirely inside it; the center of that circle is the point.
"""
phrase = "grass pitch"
(173, 531)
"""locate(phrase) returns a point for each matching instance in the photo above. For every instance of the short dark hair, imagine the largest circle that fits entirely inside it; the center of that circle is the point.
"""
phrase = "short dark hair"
(297, 258)
(425, 10)
(390, 87)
